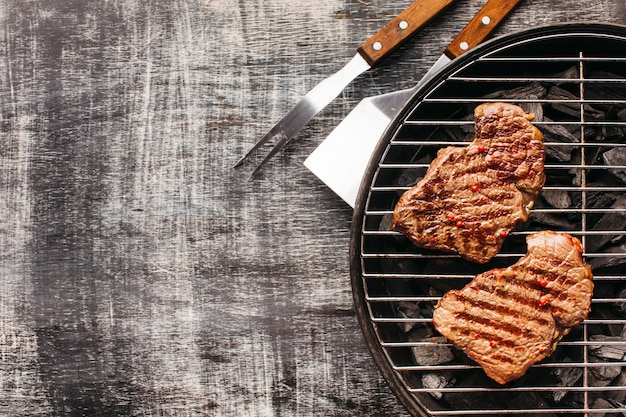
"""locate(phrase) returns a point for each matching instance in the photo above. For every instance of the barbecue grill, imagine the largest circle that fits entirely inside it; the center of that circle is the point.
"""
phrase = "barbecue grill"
(573, 77)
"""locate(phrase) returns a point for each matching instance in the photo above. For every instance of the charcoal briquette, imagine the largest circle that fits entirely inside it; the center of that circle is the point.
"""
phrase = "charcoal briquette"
(614, 350)
(434, 382)
(557, 198)
(614, 220)
(434, 352)
(567, 376)
(619, 258)
(616, 156)
(603, 375)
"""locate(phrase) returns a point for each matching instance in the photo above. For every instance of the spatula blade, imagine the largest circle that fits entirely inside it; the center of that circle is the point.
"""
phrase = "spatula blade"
(342, 158)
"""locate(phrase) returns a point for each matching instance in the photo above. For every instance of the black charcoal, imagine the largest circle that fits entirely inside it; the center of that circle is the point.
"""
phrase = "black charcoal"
(576, 172)
(620, 304)
(603, 404)
(599, 404)
(525, 92)
(534, 108)
(603, 375)
(600, 200)
(567, 103)
(409, 177)
(608, 261)
(419, 332)
(385, 222)
(409, 310)
(560, 132)
(435, 382)
(610, 224)
(611, 131)
(556, 220)
(608, 348)
(476, 400)
(468, 128)
(603, 311)
(463, 133)
(558, 94)
(557, 198)
(561, 153)
(567, 376)
(616, 157)
(434, 351)
(530, 400)
(620, 395)
(570, 73)
(605, 91)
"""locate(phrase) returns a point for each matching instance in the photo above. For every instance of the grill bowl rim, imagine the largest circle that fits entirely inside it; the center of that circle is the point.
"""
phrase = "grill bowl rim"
(412, 404)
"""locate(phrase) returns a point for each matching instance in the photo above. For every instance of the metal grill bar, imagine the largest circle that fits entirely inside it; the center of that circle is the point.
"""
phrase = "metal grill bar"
(552, 365)
(387, 299)
(545, 210)
(551, 59)
(528, 411)
(537, 79)
(562, 343)
(507, 255)
(597, 121)
(546, 188)
(429, 320)
(467, 277)
(522, 389)
(548, 166)
(443, 275)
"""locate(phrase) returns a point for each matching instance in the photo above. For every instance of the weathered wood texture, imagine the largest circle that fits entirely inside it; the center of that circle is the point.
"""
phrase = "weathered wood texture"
(140, 274)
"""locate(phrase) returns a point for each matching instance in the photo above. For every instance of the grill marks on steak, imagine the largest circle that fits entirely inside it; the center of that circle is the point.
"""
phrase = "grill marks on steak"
(507, 319)
(471, 197)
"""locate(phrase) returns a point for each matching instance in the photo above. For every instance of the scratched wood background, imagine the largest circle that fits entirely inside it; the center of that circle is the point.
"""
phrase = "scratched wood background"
(140, 274)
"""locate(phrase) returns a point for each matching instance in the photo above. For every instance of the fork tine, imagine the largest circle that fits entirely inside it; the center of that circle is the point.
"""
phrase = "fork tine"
(272, 133)
(279, 145)
(286, 128)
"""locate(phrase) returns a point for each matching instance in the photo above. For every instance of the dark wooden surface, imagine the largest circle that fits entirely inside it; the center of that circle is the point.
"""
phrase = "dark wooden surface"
(140, 274)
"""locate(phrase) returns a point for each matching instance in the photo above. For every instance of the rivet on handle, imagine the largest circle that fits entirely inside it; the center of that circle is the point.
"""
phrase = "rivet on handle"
(403, 24)
(377, 46)
(485, 20)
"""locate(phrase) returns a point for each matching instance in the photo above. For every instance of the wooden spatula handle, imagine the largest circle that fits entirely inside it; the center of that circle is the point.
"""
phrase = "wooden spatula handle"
(483, 23)
(394, 33)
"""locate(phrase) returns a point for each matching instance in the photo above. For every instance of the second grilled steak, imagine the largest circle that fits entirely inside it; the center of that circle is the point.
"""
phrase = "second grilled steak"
(507, 319)
(471, 197)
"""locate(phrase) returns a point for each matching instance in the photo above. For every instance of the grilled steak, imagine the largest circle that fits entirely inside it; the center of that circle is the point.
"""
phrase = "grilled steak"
(507, 319)
(472, 196)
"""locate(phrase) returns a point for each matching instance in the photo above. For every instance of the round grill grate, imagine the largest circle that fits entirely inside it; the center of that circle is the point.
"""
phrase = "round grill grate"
(573, 77)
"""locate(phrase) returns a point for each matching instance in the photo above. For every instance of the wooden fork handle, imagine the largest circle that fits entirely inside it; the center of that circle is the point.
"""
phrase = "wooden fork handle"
(398, 30)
